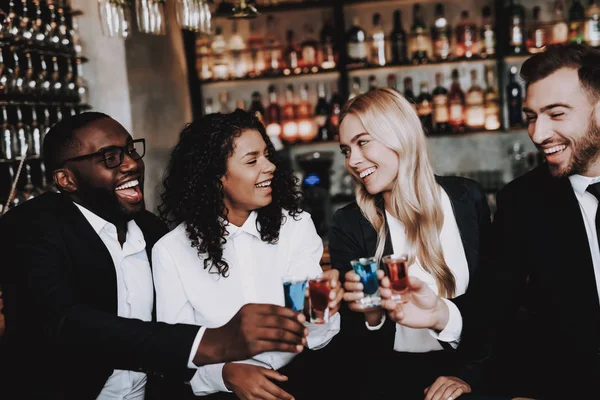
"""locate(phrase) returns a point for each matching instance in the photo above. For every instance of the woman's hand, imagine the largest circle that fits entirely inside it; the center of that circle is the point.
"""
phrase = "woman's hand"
(337, 291)
(251, 382)
(354, 292)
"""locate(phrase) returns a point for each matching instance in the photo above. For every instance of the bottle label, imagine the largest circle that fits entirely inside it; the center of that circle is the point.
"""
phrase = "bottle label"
(357, 51)
(560, 32)
(456, 112)
(593, 32)
(321, 120)
(309, 55)
(492, 116)
(474, 98)
(516, 35)
(475, 116)
(489, 39)
(440, 108)
(424, 108)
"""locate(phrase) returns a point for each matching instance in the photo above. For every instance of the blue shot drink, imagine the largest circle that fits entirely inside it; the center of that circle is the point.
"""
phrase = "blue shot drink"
(366, 269)
(294, 291)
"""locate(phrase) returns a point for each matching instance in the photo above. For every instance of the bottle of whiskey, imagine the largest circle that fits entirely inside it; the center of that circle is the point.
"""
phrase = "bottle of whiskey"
(273, 48)
(256, 44)
(398, 41)
(421, 43)
(560, 29)
(537, 39)
(292, 53)
(516, 26)
(592, 24)
(488, 35)
(273, 116)
(357, 44)
(288, 117)
(475, 111)
(408, 92)
(456, 101)
(307, 131)
(327, 53)
(466, 37)
(377, 55)
(425, 108)
(440, 34)
(491, 101)
(515, 100)
(322, 111)
(309, 48)
(440, 105)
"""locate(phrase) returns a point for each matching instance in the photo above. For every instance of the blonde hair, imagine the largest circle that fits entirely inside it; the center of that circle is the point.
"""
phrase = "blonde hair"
(416, 200)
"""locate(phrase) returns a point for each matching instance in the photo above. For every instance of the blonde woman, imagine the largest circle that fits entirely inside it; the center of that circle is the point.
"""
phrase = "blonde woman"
(401, 207)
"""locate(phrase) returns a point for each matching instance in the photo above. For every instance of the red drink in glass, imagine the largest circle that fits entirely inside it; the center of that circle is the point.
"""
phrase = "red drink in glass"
(318, 292)
(397, 272)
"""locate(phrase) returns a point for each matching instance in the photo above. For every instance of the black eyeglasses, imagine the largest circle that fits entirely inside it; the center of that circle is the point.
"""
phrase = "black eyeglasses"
(113, 155)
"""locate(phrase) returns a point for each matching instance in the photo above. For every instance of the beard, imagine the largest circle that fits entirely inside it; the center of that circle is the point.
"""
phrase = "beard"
(585, 150)
(105, 203)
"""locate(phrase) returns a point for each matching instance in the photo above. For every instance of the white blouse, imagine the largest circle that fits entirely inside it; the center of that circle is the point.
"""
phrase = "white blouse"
(188, 293)
(423, 340)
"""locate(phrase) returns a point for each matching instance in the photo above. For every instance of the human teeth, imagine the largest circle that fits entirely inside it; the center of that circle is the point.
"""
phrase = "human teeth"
(367, 172)
(128, 185)
(263, 184)
(555, 149)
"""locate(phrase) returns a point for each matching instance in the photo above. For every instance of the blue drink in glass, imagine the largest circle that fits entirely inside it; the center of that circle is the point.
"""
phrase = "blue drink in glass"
(294, 292)
(366, 269)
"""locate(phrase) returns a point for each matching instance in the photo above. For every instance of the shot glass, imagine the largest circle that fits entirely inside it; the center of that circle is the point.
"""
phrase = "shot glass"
(319, 289)
(366, 268)
(397, 272)
(294, 291)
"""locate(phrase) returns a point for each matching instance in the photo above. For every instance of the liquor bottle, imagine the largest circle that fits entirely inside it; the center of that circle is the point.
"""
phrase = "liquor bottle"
(24, 138)
(515, 100)
(440, 105)
(256, 43)
(16, 89)
(456, 102)
(425, 108)
(322, 111)
(256, 106)
(373, 82)
(537, 38)
(475, 111)
(466, 37)
(273, 116)
(203, 64)
(44, 78)
(391, 81)
(9, 145)
(421, 43)
(6, 74)
(83, 91)
(26, 30)
(491, 101)
(307, 131)
(355, 91)
(440, 34)
(560, 29)
(488, 35)
(377, 55)
(220, 66)
(308, 49)
(357, 44)
(398, 41)
(576, 17)
(334, 118)
(408, 92)
(37, 133)
(288, 117)
(292, 53)
(237, 47)
(69, 82)
(592, 24)
(516, 27)
(224, 103)
(273, 47)
(327, 54)
(30, 84)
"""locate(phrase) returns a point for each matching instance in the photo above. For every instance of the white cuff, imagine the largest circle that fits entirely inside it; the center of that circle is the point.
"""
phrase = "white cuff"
(378, 326)
(208, 379)
(195, 346)
(319, 335)
(453, 330)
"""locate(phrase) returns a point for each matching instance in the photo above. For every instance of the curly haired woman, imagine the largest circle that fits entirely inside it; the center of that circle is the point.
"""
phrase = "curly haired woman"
(240, 229)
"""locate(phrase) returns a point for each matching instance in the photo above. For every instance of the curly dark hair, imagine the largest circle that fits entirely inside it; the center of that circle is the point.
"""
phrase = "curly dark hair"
(193, 192)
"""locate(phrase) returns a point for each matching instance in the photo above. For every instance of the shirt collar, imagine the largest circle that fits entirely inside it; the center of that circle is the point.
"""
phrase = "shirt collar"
(580, 182)
(248, 227)
(97, 222)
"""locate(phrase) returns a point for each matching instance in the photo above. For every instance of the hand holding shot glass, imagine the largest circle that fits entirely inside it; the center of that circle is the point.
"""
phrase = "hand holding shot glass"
(323, 291)
(362, 284)
(397, 273)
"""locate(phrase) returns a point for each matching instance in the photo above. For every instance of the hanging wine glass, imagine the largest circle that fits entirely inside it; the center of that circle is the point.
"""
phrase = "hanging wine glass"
(243, 10)
(144, 16)
(108, 16)
(160, 17)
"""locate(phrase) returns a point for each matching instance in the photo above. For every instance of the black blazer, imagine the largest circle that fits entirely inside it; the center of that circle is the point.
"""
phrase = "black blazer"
(539, 295)
(352, 236)
(63, 336)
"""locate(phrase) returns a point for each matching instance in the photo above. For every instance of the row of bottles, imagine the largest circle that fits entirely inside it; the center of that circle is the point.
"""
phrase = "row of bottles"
(23, 127)
(263, 53)
(40, 24)
(582, 25)
(421, 45)
(31, 75)
(295, 119)
(33, 181)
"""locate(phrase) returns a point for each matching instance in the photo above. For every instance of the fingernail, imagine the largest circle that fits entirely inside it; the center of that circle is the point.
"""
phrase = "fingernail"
(332, 295)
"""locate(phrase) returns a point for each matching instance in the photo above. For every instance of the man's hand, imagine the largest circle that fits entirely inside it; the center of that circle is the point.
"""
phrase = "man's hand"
(421, 307)
(255, 329)
(354, 292)
(447, 387)
(250, 382)
(337, 291)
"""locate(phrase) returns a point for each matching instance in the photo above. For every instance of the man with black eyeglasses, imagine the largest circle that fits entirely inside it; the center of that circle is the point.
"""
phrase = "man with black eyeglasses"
(77, 282)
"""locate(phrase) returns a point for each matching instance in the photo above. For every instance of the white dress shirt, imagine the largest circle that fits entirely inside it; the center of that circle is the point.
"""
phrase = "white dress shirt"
(134, 295)
(425, 340)
(588, 205)
(188, 293)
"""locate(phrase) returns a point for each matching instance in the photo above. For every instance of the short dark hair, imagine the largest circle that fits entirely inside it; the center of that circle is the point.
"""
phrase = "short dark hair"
(61, 137)
(585, 59)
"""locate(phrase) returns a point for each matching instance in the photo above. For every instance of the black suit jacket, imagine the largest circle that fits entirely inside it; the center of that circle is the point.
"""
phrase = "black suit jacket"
(352, 236)
(539, 296)
(63, 336)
